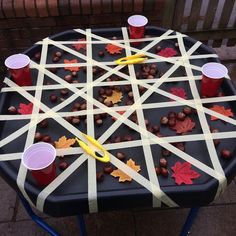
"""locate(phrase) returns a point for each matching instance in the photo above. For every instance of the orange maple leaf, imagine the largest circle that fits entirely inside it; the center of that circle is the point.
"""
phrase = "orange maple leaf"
(74, 68)
(115, 97)
(221, 110)
(113, 49)
(122, 176)
(63, 142)
(79, 45)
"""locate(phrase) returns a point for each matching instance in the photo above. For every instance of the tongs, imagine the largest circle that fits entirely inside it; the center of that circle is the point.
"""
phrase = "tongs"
(134, 59)
(96, 144)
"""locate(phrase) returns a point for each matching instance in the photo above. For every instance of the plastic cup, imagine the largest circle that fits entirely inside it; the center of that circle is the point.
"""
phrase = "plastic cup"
(212, 77)
(137, 27)
(18, 65)
(39, 158)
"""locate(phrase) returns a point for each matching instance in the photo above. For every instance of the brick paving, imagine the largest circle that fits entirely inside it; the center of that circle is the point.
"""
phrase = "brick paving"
(216, 219)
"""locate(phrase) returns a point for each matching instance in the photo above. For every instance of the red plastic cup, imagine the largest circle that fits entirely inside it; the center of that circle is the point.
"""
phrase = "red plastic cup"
(18, 65)
(39, 158)
(137, 27)
(212, 77)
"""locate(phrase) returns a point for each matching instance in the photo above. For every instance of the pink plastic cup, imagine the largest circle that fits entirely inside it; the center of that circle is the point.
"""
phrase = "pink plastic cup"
(137, 27)
(39, 158)
(18, 65)
(212, 77)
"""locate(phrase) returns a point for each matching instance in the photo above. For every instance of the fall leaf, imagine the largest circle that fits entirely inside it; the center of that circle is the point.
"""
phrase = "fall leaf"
(25, 109)
(113, 49)
(79, 45)
(74, 68)
(63, 142)
(221, 110)
(167, 52)
(180, 92)
(114, 98)
(184, 126)
(183, 173)
(122, 176)
(120, 112)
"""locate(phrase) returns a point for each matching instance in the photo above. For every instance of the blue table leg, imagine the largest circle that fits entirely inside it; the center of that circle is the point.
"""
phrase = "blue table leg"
(82, 227)
(35, 218)
(189, 221)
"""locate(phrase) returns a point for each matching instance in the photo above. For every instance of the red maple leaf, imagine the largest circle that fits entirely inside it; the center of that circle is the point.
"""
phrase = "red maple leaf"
(183, 173)
(221, 110)
(79, 45)
(113, 49)
(74, 68)
(184, 126)
(180, 92)
(167, 52)
(25, 109)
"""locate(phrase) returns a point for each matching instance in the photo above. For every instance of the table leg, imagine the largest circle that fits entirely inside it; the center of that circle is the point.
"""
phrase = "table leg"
(189, 221)
(82, 227)
(39, 221)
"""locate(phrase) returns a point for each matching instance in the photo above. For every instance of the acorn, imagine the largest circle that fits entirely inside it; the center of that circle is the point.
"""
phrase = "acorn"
(226, 154)
(53, 70)
(181, 116)
(164, 120)
(38, 137)
(100, 176)
(55, 59)
(127, 138)
(171, 122)
(216, 142)
(75, 120)
(74, 74)
(37, 56)
(150, 77)
(63, 165)
(108, 92)
(64, 92)
(158, 48)
(43, 123)
(101, 53)
(99, 122)
(46, 138)
(53, 98)
(58, 54)
(120, 156)
(158, 170)
(68, 78)
(187, 110)
(12, 110)
(77, 105)
(155, 128)
(108, 169)
(164, 172)
(165, 152)
(83, 106)
(172, 114)
(163, 162)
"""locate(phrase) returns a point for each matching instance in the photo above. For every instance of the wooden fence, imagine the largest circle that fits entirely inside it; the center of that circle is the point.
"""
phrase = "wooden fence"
(210, 21)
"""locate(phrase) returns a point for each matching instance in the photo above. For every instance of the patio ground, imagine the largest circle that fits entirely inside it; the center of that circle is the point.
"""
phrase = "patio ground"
(217, 219)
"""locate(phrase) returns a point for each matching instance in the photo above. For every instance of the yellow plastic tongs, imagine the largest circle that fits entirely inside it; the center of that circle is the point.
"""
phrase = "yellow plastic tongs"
(96, 144)
(134, 59)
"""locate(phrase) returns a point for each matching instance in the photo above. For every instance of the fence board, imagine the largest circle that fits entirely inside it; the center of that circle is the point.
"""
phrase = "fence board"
(226, 13)
(194, 15)
(210, 14)
(178, 15)
(169, 9)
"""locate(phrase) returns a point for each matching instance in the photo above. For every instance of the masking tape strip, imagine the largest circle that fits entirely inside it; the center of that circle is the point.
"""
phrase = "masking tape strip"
(134, 143)
(204, 124)
(141, 120)
(143, 181)
(92, 180)
(58, 180)
(117, 40)
(32, 128)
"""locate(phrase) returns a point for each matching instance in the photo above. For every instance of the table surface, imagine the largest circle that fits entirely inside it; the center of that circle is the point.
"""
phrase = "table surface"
(76, 188)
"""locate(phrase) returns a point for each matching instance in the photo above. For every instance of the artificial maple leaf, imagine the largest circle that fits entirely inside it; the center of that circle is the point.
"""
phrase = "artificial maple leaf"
(74, 68)
(63, 142)
(25, 109)
(113, 49)
(115, 97)
(221, 110)
(183, 173)
(120, 112)
(167, 52)
(122, 176)
(79, 45)
(180, 92)
(184, 126)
